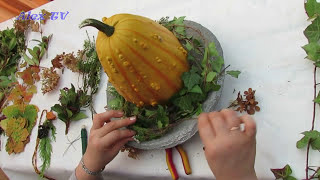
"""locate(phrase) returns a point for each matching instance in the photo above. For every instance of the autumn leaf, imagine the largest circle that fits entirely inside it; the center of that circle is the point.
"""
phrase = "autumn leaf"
(30, 75)
(21, 94)
(35, 26)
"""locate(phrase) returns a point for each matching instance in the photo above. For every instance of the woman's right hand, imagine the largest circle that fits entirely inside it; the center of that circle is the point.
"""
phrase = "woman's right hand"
(229, 151)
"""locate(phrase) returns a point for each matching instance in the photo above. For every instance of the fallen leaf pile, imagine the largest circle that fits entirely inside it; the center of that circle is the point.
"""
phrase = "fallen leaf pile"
(246, 103)
(18, 126)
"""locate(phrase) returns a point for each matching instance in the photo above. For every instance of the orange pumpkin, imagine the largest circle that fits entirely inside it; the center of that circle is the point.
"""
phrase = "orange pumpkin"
(143, 60)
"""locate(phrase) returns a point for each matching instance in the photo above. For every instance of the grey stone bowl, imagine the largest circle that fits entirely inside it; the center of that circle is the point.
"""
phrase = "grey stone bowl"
(187, 128)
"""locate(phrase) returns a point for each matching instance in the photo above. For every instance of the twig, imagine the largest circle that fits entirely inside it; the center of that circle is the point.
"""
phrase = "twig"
(70, 144)
(313, 118)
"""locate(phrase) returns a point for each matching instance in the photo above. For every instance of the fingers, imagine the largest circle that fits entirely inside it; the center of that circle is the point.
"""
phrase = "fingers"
(249, 124)
(231, 118)
(218, 123)
(206, 131)
(117, 136)
(100, 119)
(114, 125)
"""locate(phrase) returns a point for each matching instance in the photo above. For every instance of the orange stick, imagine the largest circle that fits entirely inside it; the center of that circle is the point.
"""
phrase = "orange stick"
(170, 164)
(185, 160)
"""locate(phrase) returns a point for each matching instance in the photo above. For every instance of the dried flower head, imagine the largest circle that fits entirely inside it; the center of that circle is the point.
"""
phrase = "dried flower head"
(50, 80)
(70, 61)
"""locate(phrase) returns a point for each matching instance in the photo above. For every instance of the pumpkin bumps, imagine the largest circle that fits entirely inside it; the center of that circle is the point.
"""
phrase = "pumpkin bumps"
(143, 60)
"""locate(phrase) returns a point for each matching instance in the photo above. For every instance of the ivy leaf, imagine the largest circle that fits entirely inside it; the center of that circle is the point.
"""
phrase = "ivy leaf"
(213, 50)
(315, 144)
(313, 31)
(196, 89)
(234, 74)
(79, 116)
(283, 173)
(189, 46)
(210, 76)
(184, 103)
(303, 142)
(308, 136)
(180, 29)
(205, 59)
(312, 8)
(217, 64)
(190, 79)
(313, 51)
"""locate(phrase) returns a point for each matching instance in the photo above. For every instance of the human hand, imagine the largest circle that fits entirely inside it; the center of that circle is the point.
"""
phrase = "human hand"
(229, 151)
(105, 141)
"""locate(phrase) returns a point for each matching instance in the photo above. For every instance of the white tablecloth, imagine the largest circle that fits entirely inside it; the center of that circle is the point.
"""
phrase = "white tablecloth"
(262, 38)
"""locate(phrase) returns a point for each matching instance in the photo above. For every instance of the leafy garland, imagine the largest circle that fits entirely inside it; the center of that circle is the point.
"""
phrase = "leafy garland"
(311, 138)
(202, 78)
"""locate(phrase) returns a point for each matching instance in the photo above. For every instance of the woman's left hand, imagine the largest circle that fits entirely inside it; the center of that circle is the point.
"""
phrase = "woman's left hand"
(105, 141)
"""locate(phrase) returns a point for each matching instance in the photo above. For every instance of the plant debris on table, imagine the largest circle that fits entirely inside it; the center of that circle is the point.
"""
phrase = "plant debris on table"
(153, 122)
(247, 104)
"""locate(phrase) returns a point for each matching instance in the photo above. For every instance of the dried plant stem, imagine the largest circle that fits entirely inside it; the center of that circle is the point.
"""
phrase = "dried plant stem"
(313, 120)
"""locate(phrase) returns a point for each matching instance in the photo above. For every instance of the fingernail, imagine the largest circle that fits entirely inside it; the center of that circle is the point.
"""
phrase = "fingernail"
(120, 113)
(132, 118)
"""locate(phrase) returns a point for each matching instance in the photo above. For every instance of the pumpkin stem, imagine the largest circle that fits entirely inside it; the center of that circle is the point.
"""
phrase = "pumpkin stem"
(108, 30)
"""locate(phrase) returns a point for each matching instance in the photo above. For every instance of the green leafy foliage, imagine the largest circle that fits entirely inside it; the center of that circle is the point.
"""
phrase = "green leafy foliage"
(45, 151)
(70, 104)
(202, 78)
(90, 69)
(12, 43)
(283, 173)
(38, 51)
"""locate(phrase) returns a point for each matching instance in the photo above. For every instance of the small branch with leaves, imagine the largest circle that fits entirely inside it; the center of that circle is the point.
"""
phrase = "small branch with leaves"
(46, 134)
